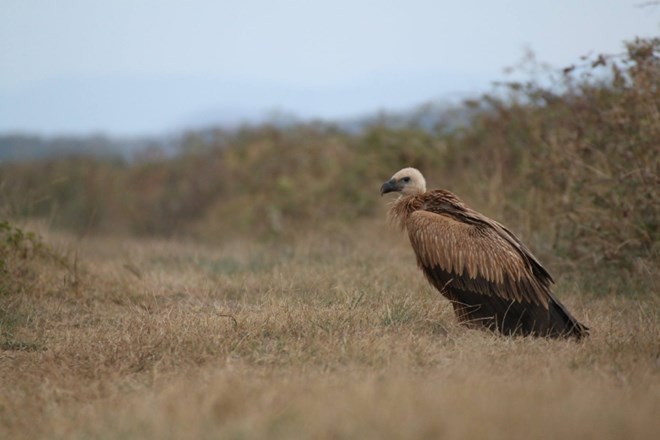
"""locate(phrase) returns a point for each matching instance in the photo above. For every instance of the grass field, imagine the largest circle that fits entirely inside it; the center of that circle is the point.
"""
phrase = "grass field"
(334, 336)
(287, 308)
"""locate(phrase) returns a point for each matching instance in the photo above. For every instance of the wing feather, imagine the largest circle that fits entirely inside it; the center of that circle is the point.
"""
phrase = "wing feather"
(478, 257)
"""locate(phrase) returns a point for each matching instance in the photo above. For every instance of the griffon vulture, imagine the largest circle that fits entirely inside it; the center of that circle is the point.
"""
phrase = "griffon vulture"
(492, 280)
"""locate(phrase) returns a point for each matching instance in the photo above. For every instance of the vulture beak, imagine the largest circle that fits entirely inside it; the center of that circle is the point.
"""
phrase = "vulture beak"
(389, 186)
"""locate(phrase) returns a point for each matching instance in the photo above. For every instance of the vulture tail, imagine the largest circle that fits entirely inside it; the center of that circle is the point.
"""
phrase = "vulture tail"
(516, 318)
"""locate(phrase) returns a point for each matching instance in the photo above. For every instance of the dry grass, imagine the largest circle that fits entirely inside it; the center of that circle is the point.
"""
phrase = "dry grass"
(335, 336)
(303, 329)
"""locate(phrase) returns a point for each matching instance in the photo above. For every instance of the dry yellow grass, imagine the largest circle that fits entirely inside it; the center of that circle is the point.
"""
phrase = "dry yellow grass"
(335, 336)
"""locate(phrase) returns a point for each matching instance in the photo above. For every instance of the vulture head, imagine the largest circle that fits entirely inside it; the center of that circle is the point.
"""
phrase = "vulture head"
(408, 181)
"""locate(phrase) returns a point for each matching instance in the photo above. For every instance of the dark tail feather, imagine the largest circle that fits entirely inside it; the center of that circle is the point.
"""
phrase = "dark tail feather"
(516, 318)
(571, 327)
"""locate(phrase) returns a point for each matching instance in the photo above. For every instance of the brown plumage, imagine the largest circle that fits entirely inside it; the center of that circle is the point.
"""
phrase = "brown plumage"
(491, 278)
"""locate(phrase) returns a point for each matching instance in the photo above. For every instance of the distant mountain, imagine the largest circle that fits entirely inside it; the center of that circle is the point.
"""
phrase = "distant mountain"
(19, 147)
(432, 116)
(158, 105)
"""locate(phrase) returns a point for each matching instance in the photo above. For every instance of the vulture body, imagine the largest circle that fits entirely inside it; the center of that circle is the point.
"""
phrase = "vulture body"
(491, 278)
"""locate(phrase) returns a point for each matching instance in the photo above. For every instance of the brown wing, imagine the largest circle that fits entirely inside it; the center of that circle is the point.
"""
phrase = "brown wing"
(477, 258)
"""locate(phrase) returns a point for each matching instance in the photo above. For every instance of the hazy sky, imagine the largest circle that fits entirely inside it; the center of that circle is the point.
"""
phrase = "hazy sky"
(132, 67)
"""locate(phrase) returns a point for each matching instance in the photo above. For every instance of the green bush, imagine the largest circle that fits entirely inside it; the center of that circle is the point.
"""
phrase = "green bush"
(586, 161)
(17, 247)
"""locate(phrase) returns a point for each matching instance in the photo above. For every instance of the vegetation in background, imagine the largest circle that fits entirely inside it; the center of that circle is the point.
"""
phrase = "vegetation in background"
(588, 155)
(574, 165)
(17, 249)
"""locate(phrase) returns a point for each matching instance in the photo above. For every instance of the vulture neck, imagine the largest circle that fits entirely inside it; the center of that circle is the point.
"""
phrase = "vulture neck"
(403, 206)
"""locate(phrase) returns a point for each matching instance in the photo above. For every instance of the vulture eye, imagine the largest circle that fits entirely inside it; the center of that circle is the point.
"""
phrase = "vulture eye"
(406, 179)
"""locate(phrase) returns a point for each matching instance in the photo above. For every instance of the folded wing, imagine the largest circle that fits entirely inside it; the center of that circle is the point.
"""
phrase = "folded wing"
(489, 275)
